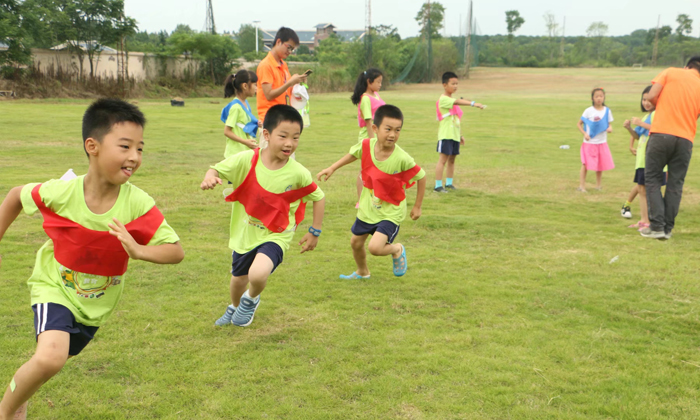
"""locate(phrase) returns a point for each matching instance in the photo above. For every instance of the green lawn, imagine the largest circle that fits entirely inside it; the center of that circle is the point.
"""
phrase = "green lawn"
(511, 307)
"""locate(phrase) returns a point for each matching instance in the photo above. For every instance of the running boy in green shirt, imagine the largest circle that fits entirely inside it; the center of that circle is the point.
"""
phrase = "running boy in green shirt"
(269, 199)
(449, 132)
(95, 223)
(386, 172)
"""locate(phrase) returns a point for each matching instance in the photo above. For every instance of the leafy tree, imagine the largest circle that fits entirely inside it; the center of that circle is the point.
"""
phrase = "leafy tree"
(685, 26)
(514, 21)
(246, 38)
(302, 50)
(12, 33)
(664, 32)
(551, 23)
(435, 13)
(597, 29)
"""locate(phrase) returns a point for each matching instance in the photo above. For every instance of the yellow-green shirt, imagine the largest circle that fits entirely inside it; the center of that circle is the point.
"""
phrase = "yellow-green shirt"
(366, 111)
(236, 116)
(449, 128)
(91, 298)
(247, 232)
(373, 209)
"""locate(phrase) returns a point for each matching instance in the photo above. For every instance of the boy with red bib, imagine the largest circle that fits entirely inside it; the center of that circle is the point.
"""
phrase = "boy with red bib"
(95, 223)
(269, 200)
(386, 173)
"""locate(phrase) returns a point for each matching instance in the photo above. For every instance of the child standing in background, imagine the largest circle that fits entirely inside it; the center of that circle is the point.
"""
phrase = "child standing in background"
(241, 126)
(449, 132)
(366, 97)
(595, 126)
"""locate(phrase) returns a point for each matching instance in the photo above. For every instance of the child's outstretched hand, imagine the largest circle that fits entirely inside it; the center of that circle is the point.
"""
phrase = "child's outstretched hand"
(415, 213)
(308, 242)
(327, 172)
(130, 245)
(210, 181)
(480, 106)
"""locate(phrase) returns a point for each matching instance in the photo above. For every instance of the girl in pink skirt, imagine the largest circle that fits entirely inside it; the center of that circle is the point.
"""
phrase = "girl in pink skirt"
(595, 126)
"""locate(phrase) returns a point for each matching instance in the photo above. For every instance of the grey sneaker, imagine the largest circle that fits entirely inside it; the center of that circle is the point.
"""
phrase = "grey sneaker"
(245, 311)
(226, 317)
(450, 187)
(439, 190)
(655, 234)
(666, 236)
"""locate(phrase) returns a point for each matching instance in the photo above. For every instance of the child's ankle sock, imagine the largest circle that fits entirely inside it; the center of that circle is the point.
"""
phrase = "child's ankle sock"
(438, 183)
(628, 204)
(449, 181)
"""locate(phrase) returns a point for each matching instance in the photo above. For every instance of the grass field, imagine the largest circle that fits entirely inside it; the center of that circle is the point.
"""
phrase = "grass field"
(511, 307)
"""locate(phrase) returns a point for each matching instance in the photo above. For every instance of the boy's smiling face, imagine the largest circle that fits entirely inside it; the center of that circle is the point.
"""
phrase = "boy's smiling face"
(283, 140)
(388, 131)
(118, 155)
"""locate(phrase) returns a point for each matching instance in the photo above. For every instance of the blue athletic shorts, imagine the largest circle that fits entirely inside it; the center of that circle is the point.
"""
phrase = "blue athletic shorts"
(360, 228)
(242, 262)
(639, 177)
(52, 316)
(448, 147)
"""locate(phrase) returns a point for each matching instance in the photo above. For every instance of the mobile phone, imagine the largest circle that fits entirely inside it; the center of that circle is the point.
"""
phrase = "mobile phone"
(308, 72)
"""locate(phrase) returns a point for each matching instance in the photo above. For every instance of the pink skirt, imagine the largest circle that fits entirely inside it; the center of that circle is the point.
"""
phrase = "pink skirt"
(597, 157)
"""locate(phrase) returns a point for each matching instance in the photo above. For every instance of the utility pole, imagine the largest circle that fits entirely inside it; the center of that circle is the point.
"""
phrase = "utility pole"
(468, 45)
(210, 27)
(256, 22)
(655, 51)
(368, 32)
(430, 47)
(561, 45)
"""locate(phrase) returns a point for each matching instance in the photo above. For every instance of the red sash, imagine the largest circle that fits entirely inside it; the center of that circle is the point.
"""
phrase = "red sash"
(270, 208)
(91, 251)
(387, 187)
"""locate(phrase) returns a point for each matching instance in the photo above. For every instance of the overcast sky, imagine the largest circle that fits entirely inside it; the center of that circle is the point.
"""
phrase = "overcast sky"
(622, 16)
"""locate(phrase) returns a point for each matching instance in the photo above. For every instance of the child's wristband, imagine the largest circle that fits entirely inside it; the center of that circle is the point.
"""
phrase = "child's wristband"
(473, 102)
(315, 232)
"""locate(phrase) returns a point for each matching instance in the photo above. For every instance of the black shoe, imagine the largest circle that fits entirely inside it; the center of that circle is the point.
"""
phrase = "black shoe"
(439, 190)
(450, 187)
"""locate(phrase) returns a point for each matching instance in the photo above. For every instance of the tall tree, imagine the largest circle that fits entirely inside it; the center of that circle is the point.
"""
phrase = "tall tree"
(597, 29)
(435, 13)
(514, 21)
(246, 38)
(13, 33)
(685, 26)
(550, 22)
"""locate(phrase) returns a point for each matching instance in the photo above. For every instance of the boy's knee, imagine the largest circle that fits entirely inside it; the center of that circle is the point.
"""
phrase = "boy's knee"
(357, 242)
(49, 364)
(375, 248)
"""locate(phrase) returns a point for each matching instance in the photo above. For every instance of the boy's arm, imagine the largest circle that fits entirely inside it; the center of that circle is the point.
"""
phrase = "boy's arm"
(271, 93)
(159, 254)
(370, 132)
(228, 132)
(309, 241)
(211, 179)
(334, 167)
(10, 208)
(416, 211)
(467, 102)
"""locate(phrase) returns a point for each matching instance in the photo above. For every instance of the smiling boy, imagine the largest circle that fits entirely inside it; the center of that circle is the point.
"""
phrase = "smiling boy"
(95, 223)
(269, 200)
(387, 170)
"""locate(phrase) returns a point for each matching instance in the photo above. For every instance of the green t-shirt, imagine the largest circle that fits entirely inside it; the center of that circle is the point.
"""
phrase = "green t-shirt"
(91, 298)
(372, 209)
(642, 147)
(449, 128)
(236, 116)
(366, 111)
(248, 232)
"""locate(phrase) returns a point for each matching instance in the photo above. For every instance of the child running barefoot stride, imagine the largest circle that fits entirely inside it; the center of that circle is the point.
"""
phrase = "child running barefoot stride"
(269, 200)
(595, 126)
(387, 171)
(366, 97)
(241, 126)
(450, 137)
(641, 132)
(96, 223)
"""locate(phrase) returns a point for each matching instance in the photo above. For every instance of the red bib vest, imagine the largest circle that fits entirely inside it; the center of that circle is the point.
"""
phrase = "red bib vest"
(270, 208)
(387, 187)
(90, 251)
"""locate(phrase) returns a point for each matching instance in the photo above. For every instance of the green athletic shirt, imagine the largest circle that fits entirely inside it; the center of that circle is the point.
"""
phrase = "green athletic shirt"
(247, 232)
(91, 298)
(236, 115)
(449, 128)
(372, 209)
(366, 111)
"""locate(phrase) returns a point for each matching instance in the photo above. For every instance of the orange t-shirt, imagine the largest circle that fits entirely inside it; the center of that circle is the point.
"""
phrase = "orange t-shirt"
(276, 74)
(678, 105)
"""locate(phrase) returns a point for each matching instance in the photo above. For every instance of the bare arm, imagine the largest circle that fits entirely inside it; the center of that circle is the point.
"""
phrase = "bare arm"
(416, 211)
(271, 93)
(228, 132)
(370, 132)
(654, 93)
(10, 208)
(580, 128)
(467, 102)
(334, 167)
(159, 254)
(211, 180)
(309, 241)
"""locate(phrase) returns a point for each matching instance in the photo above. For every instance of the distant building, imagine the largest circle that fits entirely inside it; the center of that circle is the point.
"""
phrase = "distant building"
(3, 46)
(312, 38)
(84, 46)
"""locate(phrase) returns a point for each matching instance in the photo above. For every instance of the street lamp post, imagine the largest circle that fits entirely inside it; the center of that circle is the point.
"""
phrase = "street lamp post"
(256, 35)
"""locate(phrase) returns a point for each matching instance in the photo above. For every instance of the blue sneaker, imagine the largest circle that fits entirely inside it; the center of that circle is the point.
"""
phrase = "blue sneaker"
(245, 311)
(226, 318)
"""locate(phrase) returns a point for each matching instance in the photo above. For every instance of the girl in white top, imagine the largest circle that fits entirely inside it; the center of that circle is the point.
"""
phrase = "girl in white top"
(595, 126)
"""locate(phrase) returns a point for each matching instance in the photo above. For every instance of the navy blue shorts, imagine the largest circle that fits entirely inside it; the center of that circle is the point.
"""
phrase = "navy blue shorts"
(242, 262)
(360, 228)
(448, 147)
(639, 177)
(55, 317)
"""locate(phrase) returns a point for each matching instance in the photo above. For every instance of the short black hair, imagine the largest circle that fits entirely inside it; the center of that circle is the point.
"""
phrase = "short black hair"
(286, 34)
(280, 113)
(694, 63)
(447, 76)
(387, 111)
(102, 114)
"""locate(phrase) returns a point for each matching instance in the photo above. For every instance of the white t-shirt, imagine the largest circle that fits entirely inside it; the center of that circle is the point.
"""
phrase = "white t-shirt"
(594, 115)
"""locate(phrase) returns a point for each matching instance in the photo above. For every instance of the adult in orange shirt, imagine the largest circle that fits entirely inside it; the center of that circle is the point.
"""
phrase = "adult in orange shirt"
(274, 81)
(676, 94)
